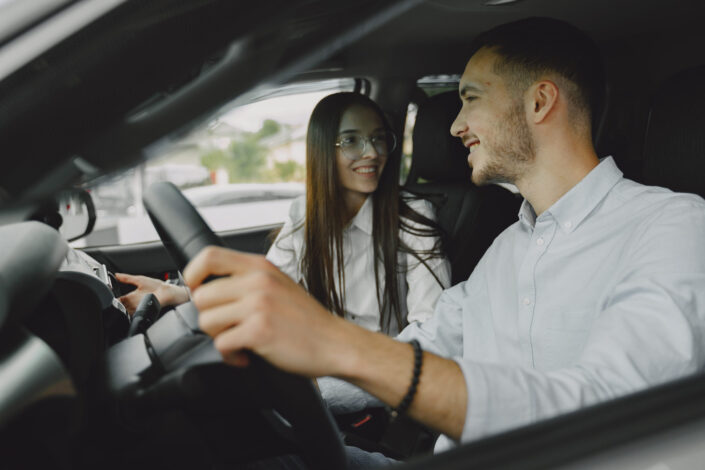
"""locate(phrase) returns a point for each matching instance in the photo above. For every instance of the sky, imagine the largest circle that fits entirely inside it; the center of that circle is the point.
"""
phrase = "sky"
(293, 110)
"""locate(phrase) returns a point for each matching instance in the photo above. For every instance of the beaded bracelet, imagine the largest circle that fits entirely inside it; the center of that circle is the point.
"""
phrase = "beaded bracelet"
(409, 397)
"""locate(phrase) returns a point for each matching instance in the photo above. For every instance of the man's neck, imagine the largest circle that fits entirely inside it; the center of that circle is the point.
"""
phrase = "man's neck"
(554, 173)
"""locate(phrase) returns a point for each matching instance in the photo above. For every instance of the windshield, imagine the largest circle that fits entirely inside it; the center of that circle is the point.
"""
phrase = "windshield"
(241, 168)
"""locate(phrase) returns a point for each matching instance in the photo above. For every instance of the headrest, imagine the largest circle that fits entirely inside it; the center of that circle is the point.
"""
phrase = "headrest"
(674, 151)
(437, 155)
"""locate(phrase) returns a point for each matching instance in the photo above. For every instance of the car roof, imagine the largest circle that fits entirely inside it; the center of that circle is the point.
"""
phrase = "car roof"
(147, 71)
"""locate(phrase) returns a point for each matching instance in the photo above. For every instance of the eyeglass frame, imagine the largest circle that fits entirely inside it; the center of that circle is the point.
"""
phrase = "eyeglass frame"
(338, 144)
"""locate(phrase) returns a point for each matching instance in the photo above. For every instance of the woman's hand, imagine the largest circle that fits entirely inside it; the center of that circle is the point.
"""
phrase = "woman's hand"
(167, 294)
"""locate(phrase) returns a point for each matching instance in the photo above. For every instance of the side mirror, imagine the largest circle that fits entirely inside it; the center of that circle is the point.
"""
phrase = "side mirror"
(77, 212)
(71, 212)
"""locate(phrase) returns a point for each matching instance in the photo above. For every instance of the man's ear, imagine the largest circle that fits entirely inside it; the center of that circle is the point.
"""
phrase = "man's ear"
(543, 96)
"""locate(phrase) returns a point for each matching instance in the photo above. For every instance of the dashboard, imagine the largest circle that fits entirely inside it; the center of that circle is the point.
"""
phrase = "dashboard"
(80, 268)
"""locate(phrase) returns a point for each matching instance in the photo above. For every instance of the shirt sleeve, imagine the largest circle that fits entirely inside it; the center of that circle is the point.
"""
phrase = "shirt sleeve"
(441, 335)
(424, 288)
(650, 330)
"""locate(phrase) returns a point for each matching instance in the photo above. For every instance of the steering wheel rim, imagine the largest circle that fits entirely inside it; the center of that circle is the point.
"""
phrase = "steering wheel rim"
(180, 227)
(306, 420)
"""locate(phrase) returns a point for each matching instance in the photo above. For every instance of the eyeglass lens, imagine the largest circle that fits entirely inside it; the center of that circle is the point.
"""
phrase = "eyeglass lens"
(353, 145)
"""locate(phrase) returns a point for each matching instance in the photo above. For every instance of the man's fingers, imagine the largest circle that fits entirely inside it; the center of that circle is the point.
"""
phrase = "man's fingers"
(231, 289)
(234, 342)
(237, 359)
(217, 261)
(219, 291)
(215, 320)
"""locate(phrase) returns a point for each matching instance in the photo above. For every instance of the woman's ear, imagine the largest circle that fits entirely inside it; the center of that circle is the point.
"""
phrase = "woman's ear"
(543, 96)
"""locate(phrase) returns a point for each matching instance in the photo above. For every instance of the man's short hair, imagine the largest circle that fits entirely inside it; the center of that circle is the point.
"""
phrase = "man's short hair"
(532, 47)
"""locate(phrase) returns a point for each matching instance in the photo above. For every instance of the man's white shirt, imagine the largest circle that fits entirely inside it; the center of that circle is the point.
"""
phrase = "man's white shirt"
(601, 295)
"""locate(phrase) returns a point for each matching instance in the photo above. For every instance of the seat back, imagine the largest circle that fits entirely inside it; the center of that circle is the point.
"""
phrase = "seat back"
(470, 216)
(674, 152)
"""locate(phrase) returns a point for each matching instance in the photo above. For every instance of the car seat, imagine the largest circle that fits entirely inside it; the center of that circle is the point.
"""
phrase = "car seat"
(674, 147)
(470, 216)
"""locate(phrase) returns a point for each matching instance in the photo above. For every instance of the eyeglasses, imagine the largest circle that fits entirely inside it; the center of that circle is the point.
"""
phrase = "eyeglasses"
(353, 145)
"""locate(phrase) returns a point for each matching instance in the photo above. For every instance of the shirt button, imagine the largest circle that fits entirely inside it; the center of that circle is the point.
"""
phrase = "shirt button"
(527, 301)
(568, 224)
(539, 242)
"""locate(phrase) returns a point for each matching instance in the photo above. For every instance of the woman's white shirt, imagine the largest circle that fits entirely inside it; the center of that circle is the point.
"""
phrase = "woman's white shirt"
(419, 287)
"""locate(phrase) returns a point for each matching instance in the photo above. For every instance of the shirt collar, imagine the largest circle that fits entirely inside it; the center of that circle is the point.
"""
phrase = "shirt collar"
(363, 218)
(527, 216)
(575, 205)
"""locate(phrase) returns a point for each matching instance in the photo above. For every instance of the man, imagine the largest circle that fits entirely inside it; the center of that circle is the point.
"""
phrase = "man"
(598, 290)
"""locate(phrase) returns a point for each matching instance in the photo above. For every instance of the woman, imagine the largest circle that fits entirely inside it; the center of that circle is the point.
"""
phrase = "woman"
(353, 214)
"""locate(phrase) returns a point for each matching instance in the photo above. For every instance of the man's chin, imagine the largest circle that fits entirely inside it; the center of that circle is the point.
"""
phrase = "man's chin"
(480, 178)
(477, 180)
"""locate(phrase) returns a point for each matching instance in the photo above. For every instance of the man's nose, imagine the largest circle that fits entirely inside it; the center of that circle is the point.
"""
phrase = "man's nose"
(458, 127)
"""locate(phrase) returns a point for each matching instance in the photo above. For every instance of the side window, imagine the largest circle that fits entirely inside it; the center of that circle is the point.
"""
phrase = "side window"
(240, 169)
(430, 85)
(407, 142)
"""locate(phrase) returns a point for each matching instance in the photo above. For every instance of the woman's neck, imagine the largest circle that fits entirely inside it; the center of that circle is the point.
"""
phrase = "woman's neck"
(353, 204)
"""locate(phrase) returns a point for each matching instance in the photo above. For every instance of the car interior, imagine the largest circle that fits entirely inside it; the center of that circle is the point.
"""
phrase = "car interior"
(92, 88)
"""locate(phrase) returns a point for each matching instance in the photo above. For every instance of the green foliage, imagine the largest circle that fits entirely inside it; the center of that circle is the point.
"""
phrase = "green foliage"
(214, 159)
(289, 171)
(269, 128)
(246, 158)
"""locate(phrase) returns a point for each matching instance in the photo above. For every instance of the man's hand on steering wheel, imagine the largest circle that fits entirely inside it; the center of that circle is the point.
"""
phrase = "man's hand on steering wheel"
(255, 307)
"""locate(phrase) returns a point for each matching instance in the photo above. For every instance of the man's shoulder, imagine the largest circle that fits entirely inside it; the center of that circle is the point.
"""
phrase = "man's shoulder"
(651, 213)
(656, 200)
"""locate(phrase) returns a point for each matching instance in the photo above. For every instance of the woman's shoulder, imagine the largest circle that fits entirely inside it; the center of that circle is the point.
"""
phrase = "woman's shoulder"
(297, 210)
(294, 223)
(290, 235)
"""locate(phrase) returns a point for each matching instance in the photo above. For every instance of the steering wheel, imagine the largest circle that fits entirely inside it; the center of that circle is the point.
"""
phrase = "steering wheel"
(294, 409)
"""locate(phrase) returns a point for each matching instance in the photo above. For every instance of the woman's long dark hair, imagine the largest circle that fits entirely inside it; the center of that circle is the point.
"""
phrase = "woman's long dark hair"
(326, 217)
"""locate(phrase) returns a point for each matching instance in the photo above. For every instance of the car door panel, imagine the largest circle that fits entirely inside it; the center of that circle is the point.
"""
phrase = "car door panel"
(152, 259)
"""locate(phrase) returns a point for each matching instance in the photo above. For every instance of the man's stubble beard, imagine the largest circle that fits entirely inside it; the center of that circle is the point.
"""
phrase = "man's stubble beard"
(510, 152)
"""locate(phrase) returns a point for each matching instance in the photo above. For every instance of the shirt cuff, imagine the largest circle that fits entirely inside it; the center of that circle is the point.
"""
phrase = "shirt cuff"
(491, 407)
